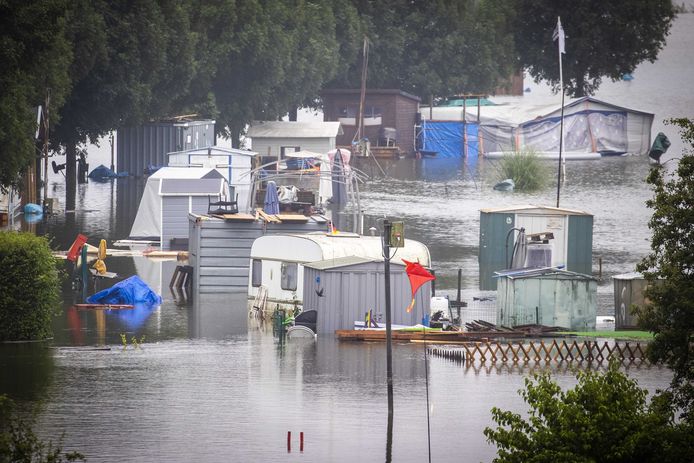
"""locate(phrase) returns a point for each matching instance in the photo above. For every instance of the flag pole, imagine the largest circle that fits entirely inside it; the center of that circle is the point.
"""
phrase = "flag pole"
(560, 47)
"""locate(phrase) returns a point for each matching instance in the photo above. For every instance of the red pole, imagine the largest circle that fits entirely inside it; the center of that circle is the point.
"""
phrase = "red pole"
(301, 441)
(289, 441)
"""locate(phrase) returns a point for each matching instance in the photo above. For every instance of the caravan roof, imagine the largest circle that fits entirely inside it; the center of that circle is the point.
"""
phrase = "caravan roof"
(313, 247)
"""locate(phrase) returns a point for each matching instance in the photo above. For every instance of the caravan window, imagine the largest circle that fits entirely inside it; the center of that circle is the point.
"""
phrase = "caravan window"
(257, 273)
(289, 274)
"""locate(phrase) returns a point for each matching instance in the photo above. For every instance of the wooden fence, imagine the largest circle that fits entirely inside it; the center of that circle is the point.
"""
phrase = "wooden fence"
(541, 351)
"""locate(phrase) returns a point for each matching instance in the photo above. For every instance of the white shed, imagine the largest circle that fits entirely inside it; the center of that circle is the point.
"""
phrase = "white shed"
(234, 164)
(276, 138)
(171, 193)
(277, 260)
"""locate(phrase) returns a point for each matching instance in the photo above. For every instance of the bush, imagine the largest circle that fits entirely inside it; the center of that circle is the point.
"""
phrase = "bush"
(528, 171)
(606, 418)
(29, 287)
(19, 443)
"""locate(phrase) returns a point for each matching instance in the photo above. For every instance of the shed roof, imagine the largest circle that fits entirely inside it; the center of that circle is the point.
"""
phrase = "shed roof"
(369, 91)
(539, 272)
(629, 276)
(215, 150)
(186, 172)
(294, 129)
(534, 208)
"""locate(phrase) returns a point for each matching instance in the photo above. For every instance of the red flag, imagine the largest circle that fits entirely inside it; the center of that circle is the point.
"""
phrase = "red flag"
(418, 275)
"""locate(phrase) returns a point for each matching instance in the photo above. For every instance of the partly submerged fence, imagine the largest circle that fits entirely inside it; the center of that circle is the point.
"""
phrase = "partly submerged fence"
(554, 351)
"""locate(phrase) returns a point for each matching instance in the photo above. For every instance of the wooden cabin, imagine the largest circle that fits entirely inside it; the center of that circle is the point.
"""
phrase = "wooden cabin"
(389, 119)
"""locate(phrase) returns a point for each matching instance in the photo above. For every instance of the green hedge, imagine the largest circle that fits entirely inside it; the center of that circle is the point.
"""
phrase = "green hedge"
(29, 287)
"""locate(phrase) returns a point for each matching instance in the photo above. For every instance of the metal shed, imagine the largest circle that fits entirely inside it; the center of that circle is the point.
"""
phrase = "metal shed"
(170, 195)
(273, 139)
(628, 291)
(234, 164)
(546, 296)
(571, 245)
(219, 250)
(147, 145)
(342, 290)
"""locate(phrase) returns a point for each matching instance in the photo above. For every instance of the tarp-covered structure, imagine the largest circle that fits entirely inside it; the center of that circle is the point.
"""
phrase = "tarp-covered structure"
(590, 125)
(171, 193)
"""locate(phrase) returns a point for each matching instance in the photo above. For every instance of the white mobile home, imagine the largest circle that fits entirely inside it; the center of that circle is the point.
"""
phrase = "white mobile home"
(171, 193)
(233, 164)
(277, 261)
(274, 139)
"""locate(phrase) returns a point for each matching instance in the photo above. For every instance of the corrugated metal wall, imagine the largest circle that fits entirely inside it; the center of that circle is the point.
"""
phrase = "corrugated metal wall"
(492, 252)
(147, 145)
(220, 251)
(350, 291)
(579, 257)
(175, 211)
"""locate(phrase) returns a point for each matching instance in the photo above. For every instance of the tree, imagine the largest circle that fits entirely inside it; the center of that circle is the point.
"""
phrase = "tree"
(133, 61)
(434, 48)
(669, 269)
(603, 39)
(35, 56)
(605, 418)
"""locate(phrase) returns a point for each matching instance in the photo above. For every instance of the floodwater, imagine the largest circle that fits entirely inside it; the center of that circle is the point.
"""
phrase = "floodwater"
(194, 382)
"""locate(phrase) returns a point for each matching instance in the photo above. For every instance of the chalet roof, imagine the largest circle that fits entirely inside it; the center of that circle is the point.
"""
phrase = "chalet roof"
(369, 92)
(294, 129)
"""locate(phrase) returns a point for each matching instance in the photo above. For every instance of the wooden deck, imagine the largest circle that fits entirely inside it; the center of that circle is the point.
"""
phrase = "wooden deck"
(429, 336)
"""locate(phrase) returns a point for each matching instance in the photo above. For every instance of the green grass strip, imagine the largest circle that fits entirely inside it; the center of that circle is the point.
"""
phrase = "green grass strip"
(612, 334)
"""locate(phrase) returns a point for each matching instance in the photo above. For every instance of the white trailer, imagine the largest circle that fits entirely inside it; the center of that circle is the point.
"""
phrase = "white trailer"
(277, 270)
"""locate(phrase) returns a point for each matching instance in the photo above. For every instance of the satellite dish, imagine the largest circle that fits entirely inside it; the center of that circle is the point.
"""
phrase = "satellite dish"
(57, 167)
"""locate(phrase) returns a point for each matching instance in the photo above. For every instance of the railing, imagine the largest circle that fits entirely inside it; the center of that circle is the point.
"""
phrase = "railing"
(537, 352)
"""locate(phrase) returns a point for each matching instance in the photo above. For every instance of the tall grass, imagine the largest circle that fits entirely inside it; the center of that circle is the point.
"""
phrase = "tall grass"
(528, 171)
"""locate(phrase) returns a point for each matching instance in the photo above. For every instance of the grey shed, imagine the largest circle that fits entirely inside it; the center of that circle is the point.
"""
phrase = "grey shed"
(342, 290)
(628, 292)
(551, 297)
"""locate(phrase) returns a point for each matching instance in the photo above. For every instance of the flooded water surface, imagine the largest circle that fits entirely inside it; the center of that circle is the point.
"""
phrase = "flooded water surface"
(192, 381)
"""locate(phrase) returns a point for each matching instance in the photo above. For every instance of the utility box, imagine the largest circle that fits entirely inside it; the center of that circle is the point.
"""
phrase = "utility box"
(571, 243)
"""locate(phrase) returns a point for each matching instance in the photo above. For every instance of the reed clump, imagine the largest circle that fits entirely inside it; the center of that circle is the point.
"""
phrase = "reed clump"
(526, 169)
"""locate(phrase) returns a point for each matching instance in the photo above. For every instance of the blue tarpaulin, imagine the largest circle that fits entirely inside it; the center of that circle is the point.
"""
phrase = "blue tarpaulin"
(129, 291)
(449, 139)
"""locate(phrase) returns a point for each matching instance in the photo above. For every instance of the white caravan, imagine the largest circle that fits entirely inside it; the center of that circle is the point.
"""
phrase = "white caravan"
(276, 274)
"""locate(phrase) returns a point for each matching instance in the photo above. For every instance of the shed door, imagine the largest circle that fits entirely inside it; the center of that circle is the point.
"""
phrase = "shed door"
(557, 224)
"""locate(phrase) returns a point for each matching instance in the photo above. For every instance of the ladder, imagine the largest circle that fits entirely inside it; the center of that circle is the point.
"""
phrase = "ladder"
(259, 303)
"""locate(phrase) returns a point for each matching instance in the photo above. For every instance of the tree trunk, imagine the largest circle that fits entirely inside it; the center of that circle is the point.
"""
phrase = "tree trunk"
(70, 176)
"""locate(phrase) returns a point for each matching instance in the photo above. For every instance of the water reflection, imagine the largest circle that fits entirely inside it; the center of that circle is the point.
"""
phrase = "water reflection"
(27, 370)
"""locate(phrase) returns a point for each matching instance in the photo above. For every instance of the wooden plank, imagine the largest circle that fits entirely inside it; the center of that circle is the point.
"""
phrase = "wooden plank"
(239, 217)
(103, 306)
(292, 217)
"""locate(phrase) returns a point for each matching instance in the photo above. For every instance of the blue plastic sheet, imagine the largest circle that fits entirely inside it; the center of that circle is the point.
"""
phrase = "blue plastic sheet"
(129, 291)
(450, 139)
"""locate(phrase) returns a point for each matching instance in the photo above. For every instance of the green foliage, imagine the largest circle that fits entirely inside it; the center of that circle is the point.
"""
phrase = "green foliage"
(434, 48)
(29, 287)
(528, 171)
(19, 444)
(35, 56)
(603, 39)
(669, 268)
(605, 418)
